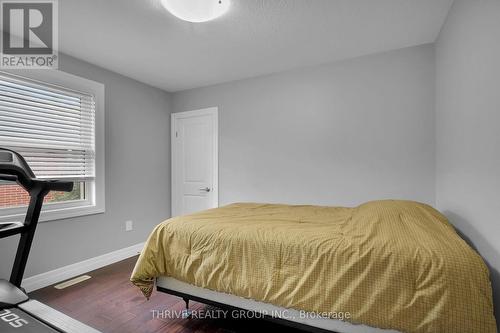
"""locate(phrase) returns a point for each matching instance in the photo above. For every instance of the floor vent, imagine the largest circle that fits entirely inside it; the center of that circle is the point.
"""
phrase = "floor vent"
(72, 282)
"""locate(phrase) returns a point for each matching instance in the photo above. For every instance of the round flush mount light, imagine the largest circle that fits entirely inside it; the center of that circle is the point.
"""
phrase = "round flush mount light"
(196, 10)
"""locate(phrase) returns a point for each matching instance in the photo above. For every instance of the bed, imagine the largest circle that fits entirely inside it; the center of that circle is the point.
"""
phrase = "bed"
(385, 266)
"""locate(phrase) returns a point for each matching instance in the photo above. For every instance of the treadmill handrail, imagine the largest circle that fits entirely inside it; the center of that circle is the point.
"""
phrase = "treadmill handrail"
(10, 178)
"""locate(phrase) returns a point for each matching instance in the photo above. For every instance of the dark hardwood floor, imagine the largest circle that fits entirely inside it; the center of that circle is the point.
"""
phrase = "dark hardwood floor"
(111, 304)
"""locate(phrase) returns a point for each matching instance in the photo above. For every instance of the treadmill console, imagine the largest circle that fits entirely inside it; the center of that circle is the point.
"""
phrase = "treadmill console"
(6, 156)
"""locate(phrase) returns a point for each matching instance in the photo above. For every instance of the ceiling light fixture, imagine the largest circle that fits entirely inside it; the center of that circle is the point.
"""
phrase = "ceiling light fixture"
(196, 10)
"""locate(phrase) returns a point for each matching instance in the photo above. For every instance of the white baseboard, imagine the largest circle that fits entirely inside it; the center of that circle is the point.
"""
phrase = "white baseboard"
(67, 272)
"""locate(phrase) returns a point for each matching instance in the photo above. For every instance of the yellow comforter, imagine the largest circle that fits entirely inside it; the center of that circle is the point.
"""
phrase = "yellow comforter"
(388, 264)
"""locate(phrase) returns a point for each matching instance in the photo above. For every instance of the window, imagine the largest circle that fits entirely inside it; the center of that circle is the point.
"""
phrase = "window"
(55, 121)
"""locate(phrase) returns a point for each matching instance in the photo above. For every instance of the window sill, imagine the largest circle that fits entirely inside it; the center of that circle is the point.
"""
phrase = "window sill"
(57, 213)
(65, 213)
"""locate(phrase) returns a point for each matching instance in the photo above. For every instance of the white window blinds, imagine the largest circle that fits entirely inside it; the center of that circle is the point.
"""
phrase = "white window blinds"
(52, 127)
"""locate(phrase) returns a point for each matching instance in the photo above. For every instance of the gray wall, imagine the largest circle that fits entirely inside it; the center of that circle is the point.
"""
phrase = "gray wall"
(137, 177)
(468, 126)
(338, 134)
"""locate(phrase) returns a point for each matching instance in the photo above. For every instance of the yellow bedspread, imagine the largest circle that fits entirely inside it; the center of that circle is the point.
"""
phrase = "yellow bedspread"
(389, 264)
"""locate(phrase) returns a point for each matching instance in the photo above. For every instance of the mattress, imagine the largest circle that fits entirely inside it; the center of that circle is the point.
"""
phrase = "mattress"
(388, 264)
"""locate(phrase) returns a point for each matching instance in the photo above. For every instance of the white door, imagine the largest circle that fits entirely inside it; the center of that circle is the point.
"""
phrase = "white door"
(194, 161)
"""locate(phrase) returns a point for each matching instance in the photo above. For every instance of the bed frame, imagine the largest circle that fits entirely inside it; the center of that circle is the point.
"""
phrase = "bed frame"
(285, 322)
(231, 302)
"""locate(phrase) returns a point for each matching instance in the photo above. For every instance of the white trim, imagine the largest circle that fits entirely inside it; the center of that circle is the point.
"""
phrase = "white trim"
(67, 272)
(96, 203)
(53, 211)
(214, 112)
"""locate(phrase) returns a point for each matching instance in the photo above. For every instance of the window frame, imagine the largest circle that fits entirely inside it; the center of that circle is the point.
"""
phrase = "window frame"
(94, 202)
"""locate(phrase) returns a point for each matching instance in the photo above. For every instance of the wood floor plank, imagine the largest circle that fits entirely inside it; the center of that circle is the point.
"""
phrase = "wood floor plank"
(111, 304)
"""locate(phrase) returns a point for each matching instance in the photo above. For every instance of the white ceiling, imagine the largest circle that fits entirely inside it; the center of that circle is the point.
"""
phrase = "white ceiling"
(139, 39)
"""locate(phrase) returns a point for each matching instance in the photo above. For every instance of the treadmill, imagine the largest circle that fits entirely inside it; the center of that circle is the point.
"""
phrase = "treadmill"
(17, 312)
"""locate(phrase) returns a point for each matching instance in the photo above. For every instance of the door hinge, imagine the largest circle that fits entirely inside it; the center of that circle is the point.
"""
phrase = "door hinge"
(176, 134)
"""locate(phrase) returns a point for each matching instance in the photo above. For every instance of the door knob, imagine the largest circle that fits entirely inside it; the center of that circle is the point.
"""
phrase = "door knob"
(205, 189)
